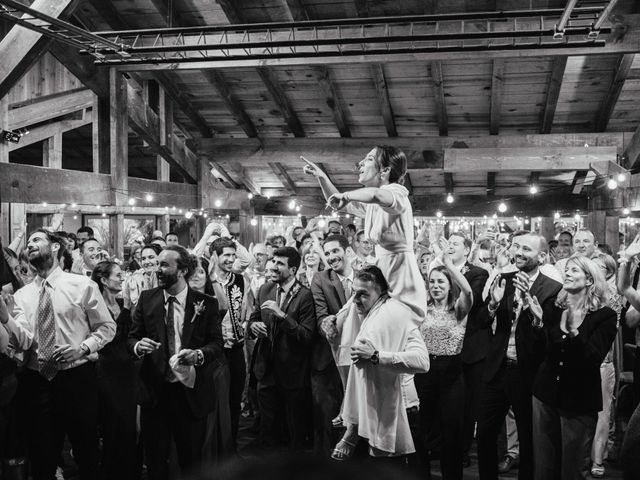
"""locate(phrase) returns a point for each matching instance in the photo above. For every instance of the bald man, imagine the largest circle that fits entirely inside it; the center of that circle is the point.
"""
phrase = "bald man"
(584, 245)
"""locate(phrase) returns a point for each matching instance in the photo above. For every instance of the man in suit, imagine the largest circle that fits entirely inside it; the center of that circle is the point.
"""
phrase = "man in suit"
(476, 339)
(284, 321)
(174, 326)
(330, 288)
(514, 353)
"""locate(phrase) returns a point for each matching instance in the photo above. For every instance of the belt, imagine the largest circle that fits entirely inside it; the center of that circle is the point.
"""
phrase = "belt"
(510, 363)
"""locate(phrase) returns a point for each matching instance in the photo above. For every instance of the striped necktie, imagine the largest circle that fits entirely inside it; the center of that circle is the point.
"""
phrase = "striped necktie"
(47, 366)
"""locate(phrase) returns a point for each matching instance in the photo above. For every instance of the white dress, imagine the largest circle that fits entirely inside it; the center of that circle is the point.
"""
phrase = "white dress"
(391, 229)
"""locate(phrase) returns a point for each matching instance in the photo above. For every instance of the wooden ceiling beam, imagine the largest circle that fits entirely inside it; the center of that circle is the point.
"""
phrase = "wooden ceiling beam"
(382, 90)
(437, 79)
(284, 177)
(49, 107)
(448, 182)
(223, 175)
(631, 155)
(491, 184)
(497, 86)
(43, 132)
(279, 97)
(577, 183)
(553, 93)
(328, 88)
(20, 48)
(534, 177)
(622, 70)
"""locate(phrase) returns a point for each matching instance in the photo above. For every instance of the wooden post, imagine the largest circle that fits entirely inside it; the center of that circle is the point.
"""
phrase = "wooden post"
(52, 151)
(165, 223)
(165, 114)
(548, 228)
(116, 223)
(597, 223)
(119, 156)
(100, 134)
(4, 158)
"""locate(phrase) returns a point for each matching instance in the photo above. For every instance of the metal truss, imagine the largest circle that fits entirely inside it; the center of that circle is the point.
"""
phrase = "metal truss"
(574, 26)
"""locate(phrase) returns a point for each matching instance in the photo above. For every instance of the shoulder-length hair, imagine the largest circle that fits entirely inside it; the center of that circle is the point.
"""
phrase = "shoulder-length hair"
(597, 295)
(454, 290)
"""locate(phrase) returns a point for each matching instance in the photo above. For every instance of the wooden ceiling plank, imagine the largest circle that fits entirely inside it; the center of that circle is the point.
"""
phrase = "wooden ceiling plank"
(382, 90)
(437, 79)
(622, 70)
(20, 48)
(553, 93)
(284, 177)
(279, 97)
(497, 87)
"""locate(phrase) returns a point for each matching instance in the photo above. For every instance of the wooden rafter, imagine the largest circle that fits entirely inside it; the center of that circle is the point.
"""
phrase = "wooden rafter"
(553, 93)
(42, 132)
(632, 152)
(497, 82)
(49, 107)
(284, 177)
(438, 95)
(20, 48)
(279, 97)
(448, 182)
(382, 90)
(491, 184)
(225, 176)
(622, 70)
(578, 182)
(333, 100)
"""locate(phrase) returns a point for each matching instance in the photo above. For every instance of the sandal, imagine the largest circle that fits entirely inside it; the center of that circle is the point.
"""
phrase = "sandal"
(343, 450)
(337, 422)
(597, 471)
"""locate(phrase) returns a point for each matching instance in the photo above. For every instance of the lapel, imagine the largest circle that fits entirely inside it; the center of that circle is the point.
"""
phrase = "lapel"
(158, 314)
(289, 297)
(187, 326)
(537, 288)
(337, 284)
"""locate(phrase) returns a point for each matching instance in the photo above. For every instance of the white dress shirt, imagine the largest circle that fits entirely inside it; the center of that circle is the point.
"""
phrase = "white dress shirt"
(178, 314)
(511, 346)
(80, 313)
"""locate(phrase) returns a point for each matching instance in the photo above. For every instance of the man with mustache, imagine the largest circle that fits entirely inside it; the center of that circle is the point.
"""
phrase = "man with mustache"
(177, 332)
(61, 321)
(514, 353)
(331, 289)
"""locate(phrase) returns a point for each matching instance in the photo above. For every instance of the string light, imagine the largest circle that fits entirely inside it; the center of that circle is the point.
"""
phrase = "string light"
(218, 203)
(188, 214)
(205, 215)
(227, 216)
(253, 221)
(577, 217)
(44, 204)
(333, 214)
(104, 214)
(73, 205)
(180, 211)
(292, 204)
(132, 201)
(149, 197)
(621, 177)
(626, 211)
(533, 189)
(439, 214)
(556, 215)
(297, 208)
(612, 184)
(249, 195)
(75, 217)
(502, 207)
(322, 223)
(449, 198)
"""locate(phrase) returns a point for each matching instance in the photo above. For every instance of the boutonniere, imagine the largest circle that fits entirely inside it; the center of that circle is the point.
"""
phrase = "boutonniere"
(465, 269)
(296, 288)
(198, 308)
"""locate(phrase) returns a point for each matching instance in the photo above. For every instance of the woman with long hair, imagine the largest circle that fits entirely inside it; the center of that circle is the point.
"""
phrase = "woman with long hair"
(384, 204)
(116, 381)
(441, 390)
(578, 333)
(311, 264)
(199, 280)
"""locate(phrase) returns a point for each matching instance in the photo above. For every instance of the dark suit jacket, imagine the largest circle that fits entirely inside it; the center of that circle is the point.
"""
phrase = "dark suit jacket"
(203, 332)
(569, 377)
(529, 340)
(283, 357)
(478, 334)
(328, 296)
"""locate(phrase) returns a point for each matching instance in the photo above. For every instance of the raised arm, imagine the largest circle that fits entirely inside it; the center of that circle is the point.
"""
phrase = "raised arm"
(624, 277)
(327, 187)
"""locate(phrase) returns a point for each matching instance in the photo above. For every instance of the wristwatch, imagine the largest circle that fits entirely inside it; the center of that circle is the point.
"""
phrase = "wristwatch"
(375, 359)
(85, 349)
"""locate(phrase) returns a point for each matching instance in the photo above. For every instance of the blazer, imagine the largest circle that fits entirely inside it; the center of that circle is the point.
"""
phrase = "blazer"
(569, 377)
(201, 331)
(282, 358)
(328, 297)
(529, 340)
(478, 334)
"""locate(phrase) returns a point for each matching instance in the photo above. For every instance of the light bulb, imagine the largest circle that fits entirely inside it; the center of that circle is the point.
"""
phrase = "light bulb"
(292, 204)
(533, 189)
(621, 177)
(556, 215)
(132, 201)
(149, 197)
(218, 203)
(334, 214)
(297, 208)
(612, 184)
(626, 211)
(494, 216)
(75, 217)
(253, 221)
(180, 211)
(188, 215)
(73, 205)
(133, 209)
(439, 214)
(227, 216)
(249, 195)
(577, 217)
(347, 215)
(322, 223)
(104, 214)
(449, 198)
(205, 215)
(502, 207)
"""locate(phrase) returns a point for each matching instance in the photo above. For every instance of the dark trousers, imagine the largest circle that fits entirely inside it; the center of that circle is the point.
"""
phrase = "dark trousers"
(66, 405)
(238, 371)
(326, 392)
(507, 389)
(171, 419)
(472, 374)
(120, 456)
(562, 442)
(280, 407)
(441, 393)
(630, 451)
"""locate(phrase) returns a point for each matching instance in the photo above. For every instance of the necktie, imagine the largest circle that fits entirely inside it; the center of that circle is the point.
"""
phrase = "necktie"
(348, 290)
(171, 329)
(281, 296)
(46, 335)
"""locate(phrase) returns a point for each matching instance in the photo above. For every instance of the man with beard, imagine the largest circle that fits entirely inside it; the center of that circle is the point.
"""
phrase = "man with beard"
(284, 321)
(331, 289)
(514, 353)
(229, 289)
(177, 331)
(62, 321)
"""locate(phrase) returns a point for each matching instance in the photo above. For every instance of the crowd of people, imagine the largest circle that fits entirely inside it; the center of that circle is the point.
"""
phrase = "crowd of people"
(390, 343)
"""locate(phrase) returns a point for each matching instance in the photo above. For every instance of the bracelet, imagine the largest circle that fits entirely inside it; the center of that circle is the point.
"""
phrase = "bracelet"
(375, 359)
